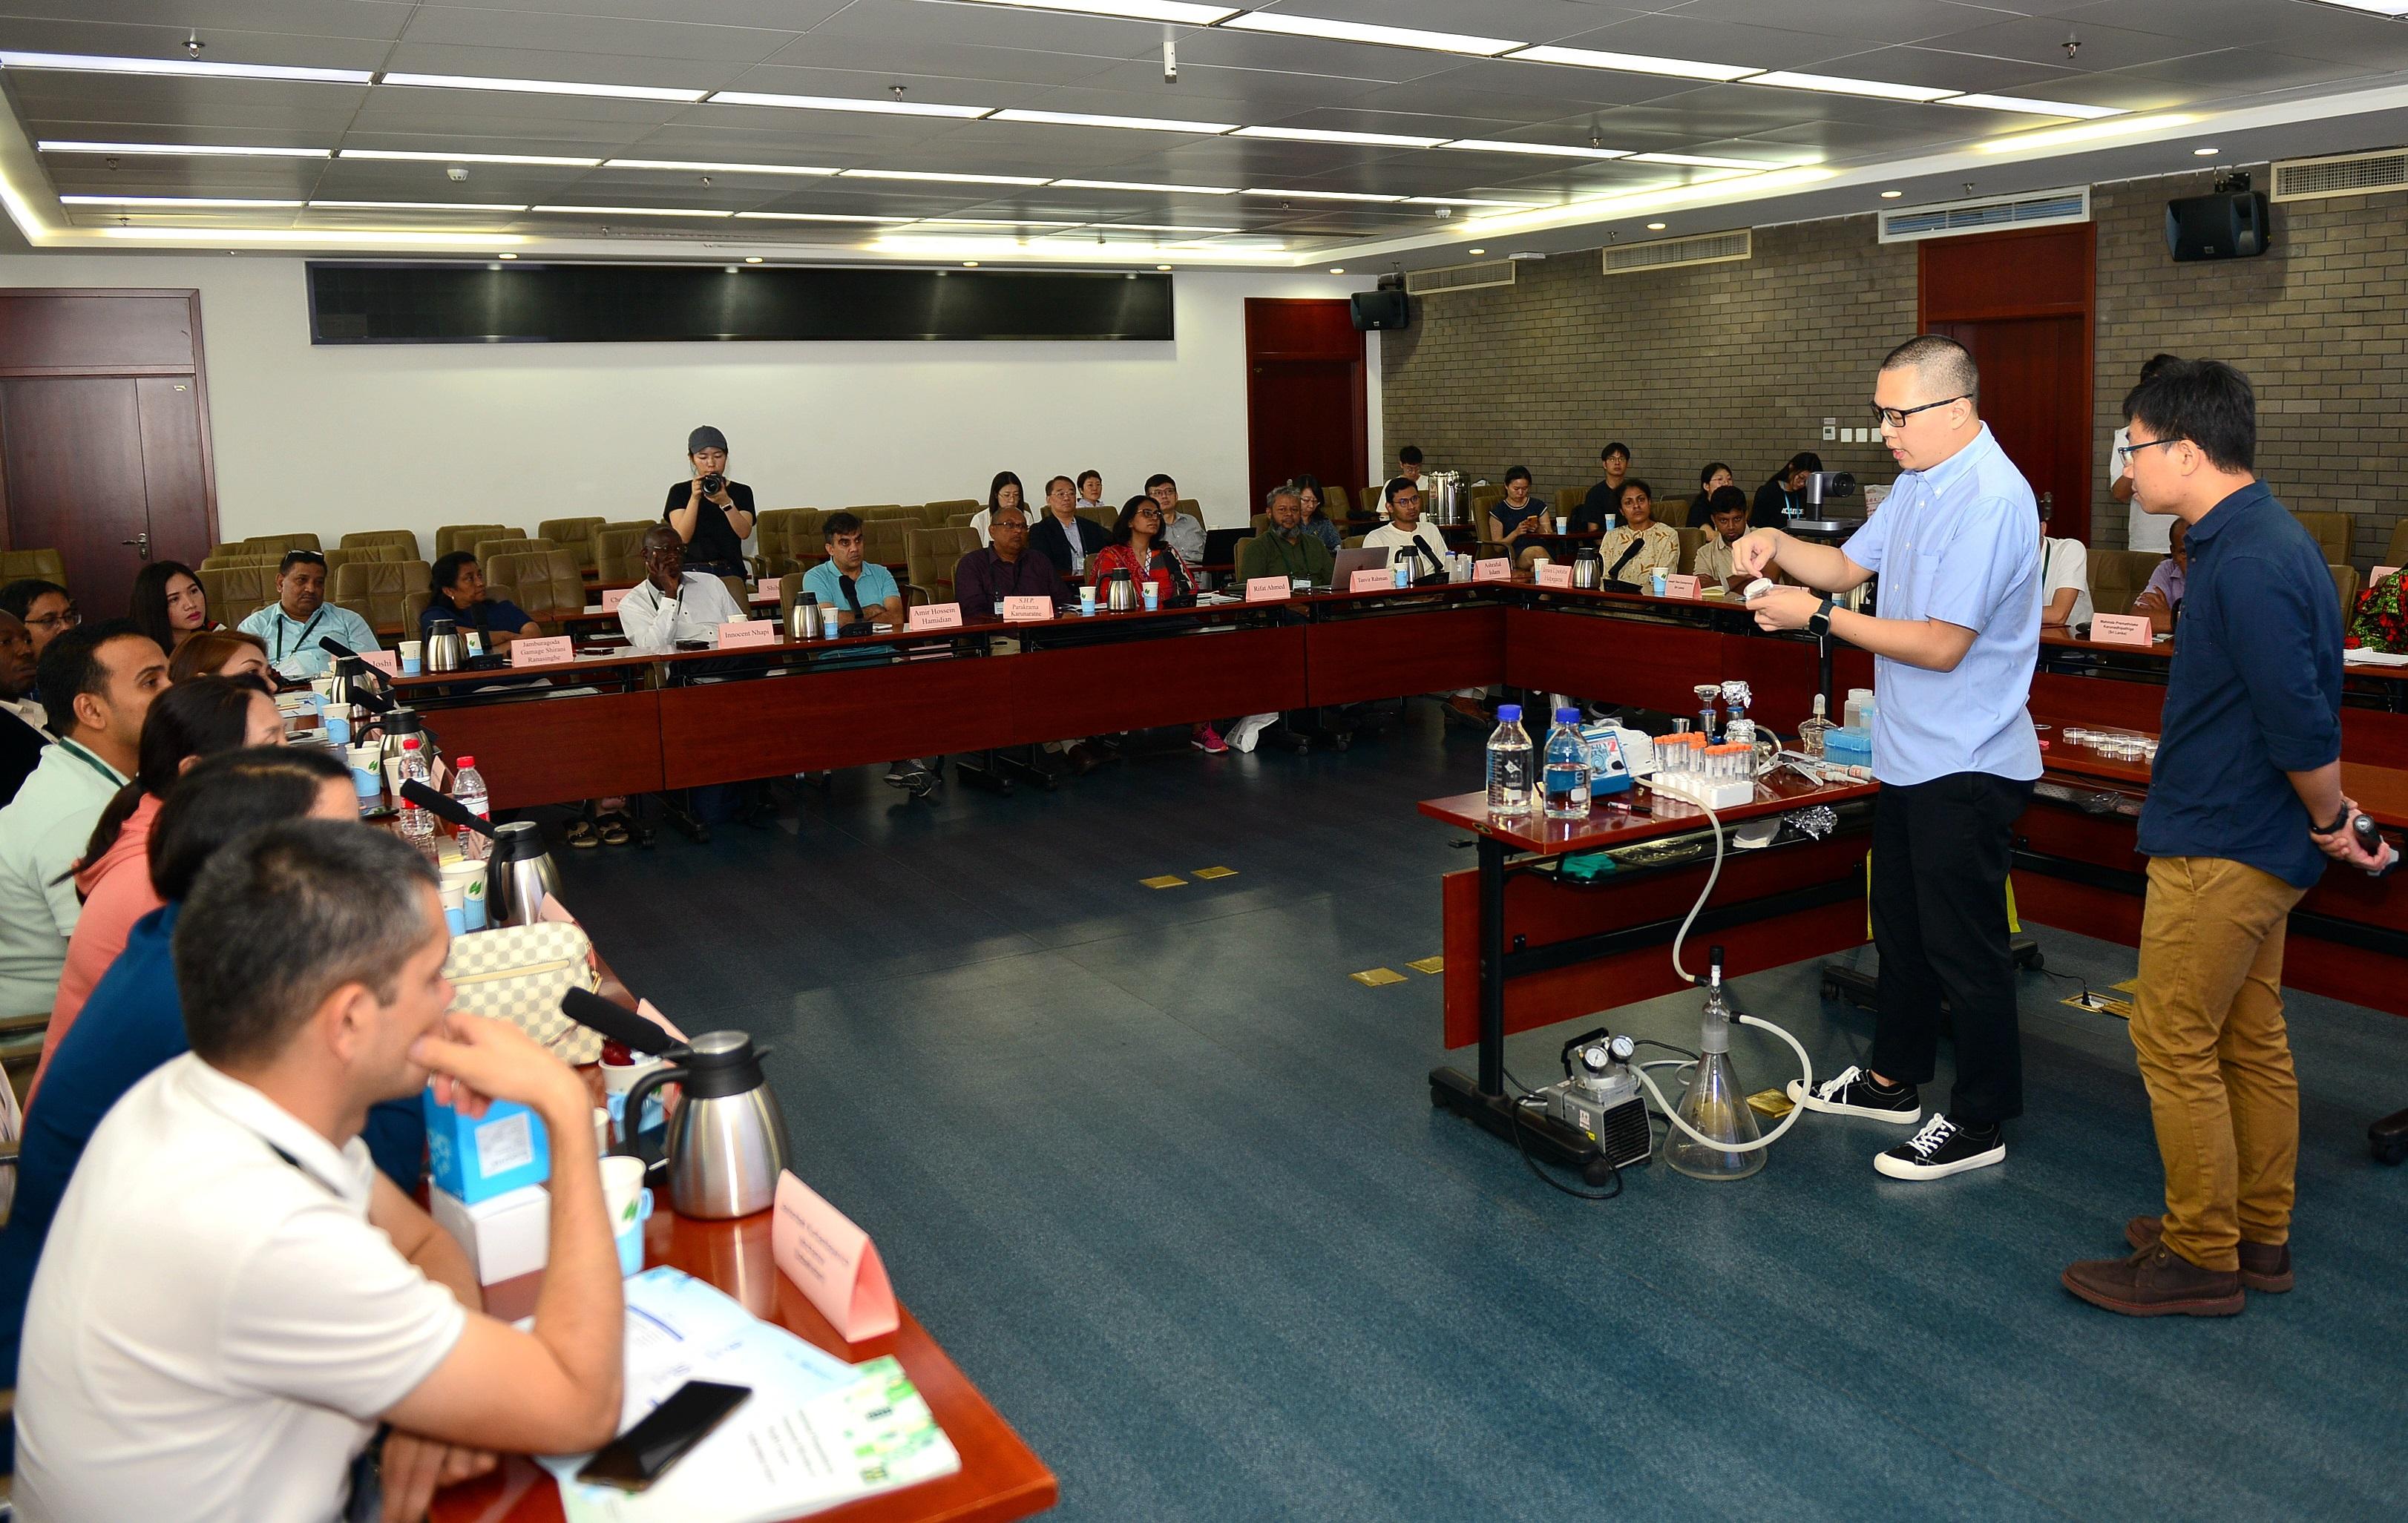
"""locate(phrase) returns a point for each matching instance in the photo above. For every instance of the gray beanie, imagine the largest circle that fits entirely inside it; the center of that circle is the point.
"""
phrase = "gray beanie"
(705, 438)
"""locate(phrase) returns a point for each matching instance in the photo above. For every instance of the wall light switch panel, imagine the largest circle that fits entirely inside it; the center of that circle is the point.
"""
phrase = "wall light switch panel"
(1831, 429)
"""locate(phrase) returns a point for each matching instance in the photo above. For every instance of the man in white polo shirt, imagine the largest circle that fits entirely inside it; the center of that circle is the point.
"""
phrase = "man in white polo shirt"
(232, 1298)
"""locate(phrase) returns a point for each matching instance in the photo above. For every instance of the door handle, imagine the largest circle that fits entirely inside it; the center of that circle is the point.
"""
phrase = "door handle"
(141, 542)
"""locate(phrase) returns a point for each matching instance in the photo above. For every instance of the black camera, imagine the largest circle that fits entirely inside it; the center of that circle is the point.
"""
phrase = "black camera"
(713, 484)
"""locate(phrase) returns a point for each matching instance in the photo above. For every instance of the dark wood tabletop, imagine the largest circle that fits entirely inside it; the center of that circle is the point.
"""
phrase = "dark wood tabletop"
(1605, 827)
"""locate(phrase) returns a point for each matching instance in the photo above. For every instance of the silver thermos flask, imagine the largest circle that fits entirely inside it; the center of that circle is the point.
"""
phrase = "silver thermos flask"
(725, 1145)
(519, 875)
(803, 618)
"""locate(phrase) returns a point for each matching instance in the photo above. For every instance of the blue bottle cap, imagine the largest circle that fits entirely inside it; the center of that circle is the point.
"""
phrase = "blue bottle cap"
(1568, 716)
(1509, 713)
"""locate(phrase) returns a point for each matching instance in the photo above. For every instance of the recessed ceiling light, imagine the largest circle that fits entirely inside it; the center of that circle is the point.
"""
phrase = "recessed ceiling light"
(1158, 227)
(1833, 84)
(1892, 196)
(509, 256)
(1080, 119)
(1654, 227)
(969, 263)
(812, 217)
(91, 64)
(1176, 11)
(1559, 150)
(2058, 137)
(198, 150)
(1336, 269)
(169, 201)
(1392, 36)
(632, 211)
(1700, 161)
(409, 206)
(1143, 185)
(943, 179)
(847, 103)
(543, 87)
(2033, 107)
(420, 156)
(1326, 195)
(1479, 250)
(2205, 153)
(701, 167)
(729, 269)
(752, 259)
(1315, 134)
(1678, 68)
(1162, 267)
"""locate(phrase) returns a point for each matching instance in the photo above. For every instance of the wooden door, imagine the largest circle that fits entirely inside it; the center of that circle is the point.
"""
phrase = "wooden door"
(72, 451)
(1306, 413)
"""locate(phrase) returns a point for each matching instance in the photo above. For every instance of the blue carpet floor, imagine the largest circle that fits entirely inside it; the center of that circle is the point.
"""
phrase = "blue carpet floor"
(1167, 1186)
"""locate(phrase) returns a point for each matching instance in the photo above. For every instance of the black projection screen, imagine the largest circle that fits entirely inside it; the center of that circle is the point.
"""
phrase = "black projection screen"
(601, 303)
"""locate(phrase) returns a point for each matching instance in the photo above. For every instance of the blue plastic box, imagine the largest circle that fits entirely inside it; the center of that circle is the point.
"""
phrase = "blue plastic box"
(476, 1160)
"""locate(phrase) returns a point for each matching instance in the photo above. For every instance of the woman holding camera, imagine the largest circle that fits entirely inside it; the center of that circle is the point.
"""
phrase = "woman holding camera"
(712, 515)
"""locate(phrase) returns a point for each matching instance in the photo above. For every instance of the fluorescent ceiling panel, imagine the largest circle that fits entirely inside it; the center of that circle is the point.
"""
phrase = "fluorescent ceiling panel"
(812, 217)
(847, 103)
(2058, 137)
(543, 87)
(633, 211)
(697, 167)
(1143, 185)
(197, 151)
(1833, 84)
(1700, 161)
(1079, 119)
(2038, 108)
(139, 200)
(1391, 36)
(1177, 12)
(1159, 227)
(411, 155)
(989, 221)
(1327, 195)
(409, 206)
(89, 64)
(945, 178)
(1678, 68)
(1315, 134)
(2377, 8)
(1459, 201)
(1556, 151)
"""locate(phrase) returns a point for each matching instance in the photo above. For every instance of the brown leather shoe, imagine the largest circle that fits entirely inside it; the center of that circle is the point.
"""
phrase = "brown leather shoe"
(2264, 1266)
(2156, 1282)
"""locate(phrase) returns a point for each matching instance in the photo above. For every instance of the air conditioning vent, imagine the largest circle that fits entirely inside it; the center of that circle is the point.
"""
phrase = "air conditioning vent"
(1495, 272)
(1988, 214)
(2343, 174)
(1664, 253)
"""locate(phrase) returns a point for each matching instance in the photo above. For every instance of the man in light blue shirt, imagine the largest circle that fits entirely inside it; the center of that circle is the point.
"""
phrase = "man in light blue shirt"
(301, 617)
(861, 588)
(1956, 545)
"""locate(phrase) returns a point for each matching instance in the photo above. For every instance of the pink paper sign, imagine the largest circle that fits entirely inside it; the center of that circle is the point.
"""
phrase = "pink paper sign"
(737, 633)
(1268, 588)
(1680, 587)
(652, 1012)
(1028, 610)
(2122, 628)
(549, 651)
(1371, 581)
(612, 597)
(387, 662)
(936, 615)
(1499, 570)
(832, 1261)
(1552, 573)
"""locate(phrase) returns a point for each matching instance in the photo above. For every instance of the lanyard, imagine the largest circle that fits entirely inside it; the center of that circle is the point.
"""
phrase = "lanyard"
(282, 619)
(93, 761)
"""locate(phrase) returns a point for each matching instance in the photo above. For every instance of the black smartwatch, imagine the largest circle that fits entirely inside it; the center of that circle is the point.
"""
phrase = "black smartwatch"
(2335, 828)
(1821, 623)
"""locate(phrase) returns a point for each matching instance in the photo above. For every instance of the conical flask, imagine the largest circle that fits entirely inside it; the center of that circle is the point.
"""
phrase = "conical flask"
(1715, 1104)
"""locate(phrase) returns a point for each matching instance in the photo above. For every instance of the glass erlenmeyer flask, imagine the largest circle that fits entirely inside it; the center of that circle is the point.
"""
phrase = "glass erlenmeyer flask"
(1715, 1104)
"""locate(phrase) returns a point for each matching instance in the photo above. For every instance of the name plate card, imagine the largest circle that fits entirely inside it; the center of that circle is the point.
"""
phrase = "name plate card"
(934, 616)
(1552, 573)
(1267, 588)
(387, 662)
(832, 1261)
(1373, 580)
(1681, 587)
(551, 650)
(739, 633)
(1029, 610)
(612, 597)
(1497, 570)
(2122, 628)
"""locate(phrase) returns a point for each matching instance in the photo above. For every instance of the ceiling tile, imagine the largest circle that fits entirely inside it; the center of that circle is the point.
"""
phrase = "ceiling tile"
(298, 17)
(656, 45)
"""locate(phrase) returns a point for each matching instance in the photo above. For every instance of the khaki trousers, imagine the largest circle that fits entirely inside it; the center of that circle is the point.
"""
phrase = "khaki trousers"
(2215, 1056)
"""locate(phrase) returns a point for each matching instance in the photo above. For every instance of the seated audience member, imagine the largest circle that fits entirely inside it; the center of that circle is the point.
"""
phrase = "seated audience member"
(97, 683)
(45, 607)
(1063, 538)
(1091, 491)
(1005, 488)
(1514, 515)
(1714, 478)
(1140, 548)
(301, 617)
(1727, 515)
(1182, 531)
(1405, 536)
(672, 604)
(137, 1015)
(1409, 465)
(712, 525)
(1283, 549)
(1639, 545)
(457, 584)
(1008, 567)
(169, 603)
(2160, 602)
(221, 653)
(1781, 499)
(1604, 499)
(231, 1298)
(847, 580)
(1317, 521)
(2064, 579)
(187, 723)
(24, 729)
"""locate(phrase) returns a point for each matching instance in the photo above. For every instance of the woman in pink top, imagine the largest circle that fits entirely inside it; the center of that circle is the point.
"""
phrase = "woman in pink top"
(193, 719)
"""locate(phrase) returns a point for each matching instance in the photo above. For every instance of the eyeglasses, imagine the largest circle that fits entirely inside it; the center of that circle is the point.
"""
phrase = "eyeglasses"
(1897, 417)
(62, 621)
(2124, 452)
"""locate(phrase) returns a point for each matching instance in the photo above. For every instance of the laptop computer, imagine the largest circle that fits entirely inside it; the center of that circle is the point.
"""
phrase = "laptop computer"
(1342, 570)
(1221, 544)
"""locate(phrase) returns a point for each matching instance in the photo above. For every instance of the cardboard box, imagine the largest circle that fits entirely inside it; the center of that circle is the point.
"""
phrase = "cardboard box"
(476, 1160)
(506, 1235)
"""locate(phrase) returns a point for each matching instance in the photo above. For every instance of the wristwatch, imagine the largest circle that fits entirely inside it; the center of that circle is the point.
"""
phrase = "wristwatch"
(1821, 623)
(2334, 829)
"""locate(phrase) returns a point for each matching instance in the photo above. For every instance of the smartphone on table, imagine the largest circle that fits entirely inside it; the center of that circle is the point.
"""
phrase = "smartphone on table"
(638, 1457)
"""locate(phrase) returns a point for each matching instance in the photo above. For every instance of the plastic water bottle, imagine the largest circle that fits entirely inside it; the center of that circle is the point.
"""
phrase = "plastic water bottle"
(1509, 764)
(1566, 774)
(414, 824)
(468, 793)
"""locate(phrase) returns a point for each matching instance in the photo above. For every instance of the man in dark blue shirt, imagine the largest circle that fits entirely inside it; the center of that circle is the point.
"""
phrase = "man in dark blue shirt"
(2245, 807)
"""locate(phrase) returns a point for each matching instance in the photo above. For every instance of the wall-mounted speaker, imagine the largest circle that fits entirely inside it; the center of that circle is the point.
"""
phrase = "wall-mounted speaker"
(2228, 224)
(1378, 309)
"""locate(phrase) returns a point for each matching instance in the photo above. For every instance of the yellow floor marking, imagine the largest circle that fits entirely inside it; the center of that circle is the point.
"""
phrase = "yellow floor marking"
(1208, 873)
(1374, 977)
(1428, 964)
(1167, 880)
(2101, 1004)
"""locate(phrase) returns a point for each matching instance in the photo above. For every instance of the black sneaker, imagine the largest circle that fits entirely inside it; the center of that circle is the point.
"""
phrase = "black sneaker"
(1852, 1092)
(1941, 1148)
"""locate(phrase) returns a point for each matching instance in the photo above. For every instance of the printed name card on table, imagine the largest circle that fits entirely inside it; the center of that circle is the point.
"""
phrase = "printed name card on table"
(1267, 588)
(1030, 610)
(934, 616)
(612, 597)
(1681, 587)
(2122, 628)
(1496, 570)
(551, 650)
(738, 633)
(1552, 573)
(1371, 581)
(387, 662)
(832, 1261)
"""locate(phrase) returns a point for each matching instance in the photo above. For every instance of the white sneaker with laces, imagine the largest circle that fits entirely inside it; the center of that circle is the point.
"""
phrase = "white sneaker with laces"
(1850, 1092)
(1940, 1149)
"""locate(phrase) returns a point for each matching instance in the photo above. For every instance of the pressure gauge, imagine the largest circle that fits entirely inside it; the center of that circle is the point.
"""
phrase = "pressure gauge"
(1622, 1049)
(1594, 1058)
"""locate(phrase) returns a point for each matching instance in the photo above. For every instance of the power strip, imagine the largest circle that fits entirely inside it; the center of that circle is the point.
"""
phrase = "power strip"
(1714, 794)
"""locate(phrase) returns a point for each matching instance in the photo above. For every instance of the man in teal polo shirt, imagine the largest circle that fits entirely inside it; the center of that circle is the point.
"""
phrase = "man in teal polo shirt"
(1956, 545)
